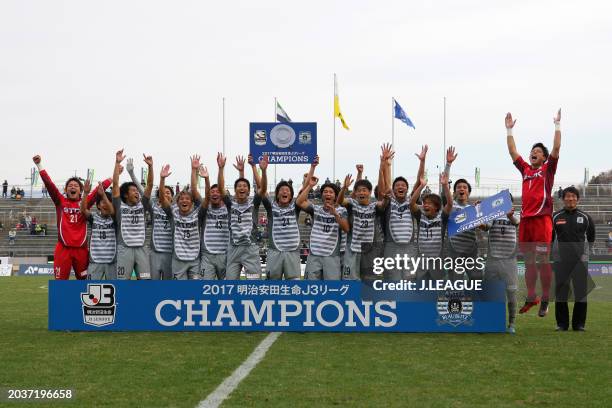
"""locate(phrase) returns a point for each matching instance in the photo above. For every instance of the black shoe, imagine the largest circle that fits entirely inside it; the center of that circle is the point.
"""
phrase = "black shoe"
(579, 328)
(543, 308)
(559, 328)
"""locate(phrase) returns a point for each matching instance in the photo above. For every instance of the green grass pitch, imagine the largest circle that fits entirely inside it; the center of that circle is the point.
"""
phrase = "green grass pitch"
(535, 367)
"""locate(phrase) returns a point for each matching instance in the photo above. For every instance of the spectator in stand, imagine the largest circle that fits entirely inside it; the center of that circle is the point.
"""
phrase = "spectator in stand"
(308, 221)
(177, 189)
(610, 242)
(13, 192)
(12, 235)
(4, 189)
(560, 193)
(44, 192)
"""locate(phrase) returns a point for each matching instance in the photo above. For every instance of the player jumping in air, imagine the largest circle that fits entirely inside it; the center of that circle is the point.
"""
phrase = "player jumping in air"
(130, 220)
(328, 219)
(535, 229)
(71, 249)
(243, 250)
(103, 240)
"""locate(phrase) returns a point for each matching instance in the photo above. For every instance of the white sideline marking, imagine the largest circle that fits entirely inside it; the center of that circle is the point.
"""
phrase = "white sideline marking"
(42, 287)
(228, 385)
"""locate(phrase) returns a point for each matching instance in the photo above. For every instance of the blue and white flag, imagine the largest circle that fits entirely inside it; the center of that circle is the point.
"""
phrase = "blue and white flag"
(399, 113)
(281, 115)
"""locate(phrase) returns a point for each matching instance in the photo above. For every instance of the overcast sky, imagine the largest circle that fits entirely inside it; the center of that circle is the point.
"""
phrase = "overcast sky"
(78, 79)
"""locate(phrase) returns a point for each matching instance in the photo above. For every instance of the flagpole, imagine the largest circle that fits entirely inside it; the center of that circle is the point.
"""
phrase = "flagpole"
(223, 123)
(275, 120)
(334, 146)
(393, 134)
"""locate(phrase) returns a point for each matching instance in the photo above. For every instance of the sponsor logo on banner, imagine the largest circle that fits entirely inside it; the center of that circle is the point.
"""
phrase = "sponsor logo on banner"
(455, 308)
(35, 269)
(484, 212)
(99, 304)
(284, 143)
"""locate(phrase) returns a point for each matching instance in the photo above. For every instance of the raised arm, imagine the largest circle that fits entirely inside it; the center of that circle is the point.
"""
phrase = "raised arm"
(451, 156)
(240, 166)
(421, 183)
(119, 156)
(203, 171)
(557, 141)
(256, 177)
(263, 183)
(220, 176)
(302, 199)
(84, 207)
(54, 193)
(165, 172)
(510, 138)
(421, 172)
(359, 168)
(130, 169)
(195, 168)
(348, 180)
(101, 191)
(149, 187)
(448, 207)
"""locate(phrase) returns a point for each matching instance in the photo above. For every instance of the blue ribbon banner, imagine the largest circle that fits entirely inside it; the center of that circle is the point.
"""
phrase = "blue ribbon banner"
(285, 143)
(323, 306)
(471, 217)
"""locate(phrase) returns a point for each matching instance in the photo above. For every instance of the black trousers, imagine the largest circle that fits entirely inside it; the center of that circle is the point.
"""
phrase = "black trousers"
(572, 271)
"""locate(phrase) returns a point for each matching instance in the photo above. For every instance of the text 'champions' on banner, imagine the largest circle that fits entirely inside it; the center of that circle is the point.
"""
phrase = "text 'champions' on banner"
(323, 306)
(284, 143)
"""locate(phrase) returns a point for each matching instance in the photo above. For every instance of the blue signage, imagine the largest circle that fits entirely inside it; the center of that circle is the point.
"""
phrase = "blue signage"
(338, 306)
(284, 143)
(486, 211)
(35, 269)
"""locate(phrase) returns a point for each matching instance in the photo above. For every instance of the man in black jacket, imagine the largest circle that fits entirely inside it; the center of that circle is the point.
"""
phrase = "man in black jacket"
(573, 238)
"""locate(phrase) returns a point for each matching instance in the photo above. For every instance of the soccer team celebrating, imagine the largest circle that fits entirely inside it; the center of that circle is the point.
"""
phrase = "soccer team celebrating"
(215, 237)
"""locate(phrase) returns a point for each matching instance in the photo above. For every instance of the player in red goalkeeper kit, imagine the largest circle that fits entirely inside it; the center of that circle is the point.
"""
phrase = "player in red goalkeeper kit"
(71, 249)
(535, 228)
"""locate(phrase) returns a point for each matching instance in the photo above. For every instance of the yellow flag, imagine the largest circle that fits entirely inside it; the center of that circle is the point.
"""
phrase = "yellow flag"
(337, 112)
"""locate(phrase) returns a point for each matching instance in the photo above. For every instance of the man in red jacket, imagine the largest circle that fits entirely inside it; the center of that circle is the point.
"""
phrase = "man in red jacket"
(71, 249)
(535, 228)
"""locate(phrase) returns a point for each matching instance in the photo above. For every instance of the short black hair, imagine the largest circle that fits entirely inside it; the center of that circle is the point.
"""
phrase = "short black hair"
(572, 190)
(363, 183)
(78, 180)
(182, 192)
(462, 181)
(108, 195)
(238, 180)
(435, 200)
(214, 186)
(125, 187)
(398, 179)
(283, 184)
(334, 187)
(541, 146)
(170, 189)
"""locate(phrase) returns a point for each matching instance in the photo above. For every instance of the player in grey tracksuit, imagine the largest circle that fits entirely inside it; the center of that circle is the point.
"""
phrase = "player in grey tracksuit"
(130, 223)
(431, 220)
(102, 240)
(161, 235)
(501, 262)
(328, 220)
(215, 230)
(243, 251)
(185, 217)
